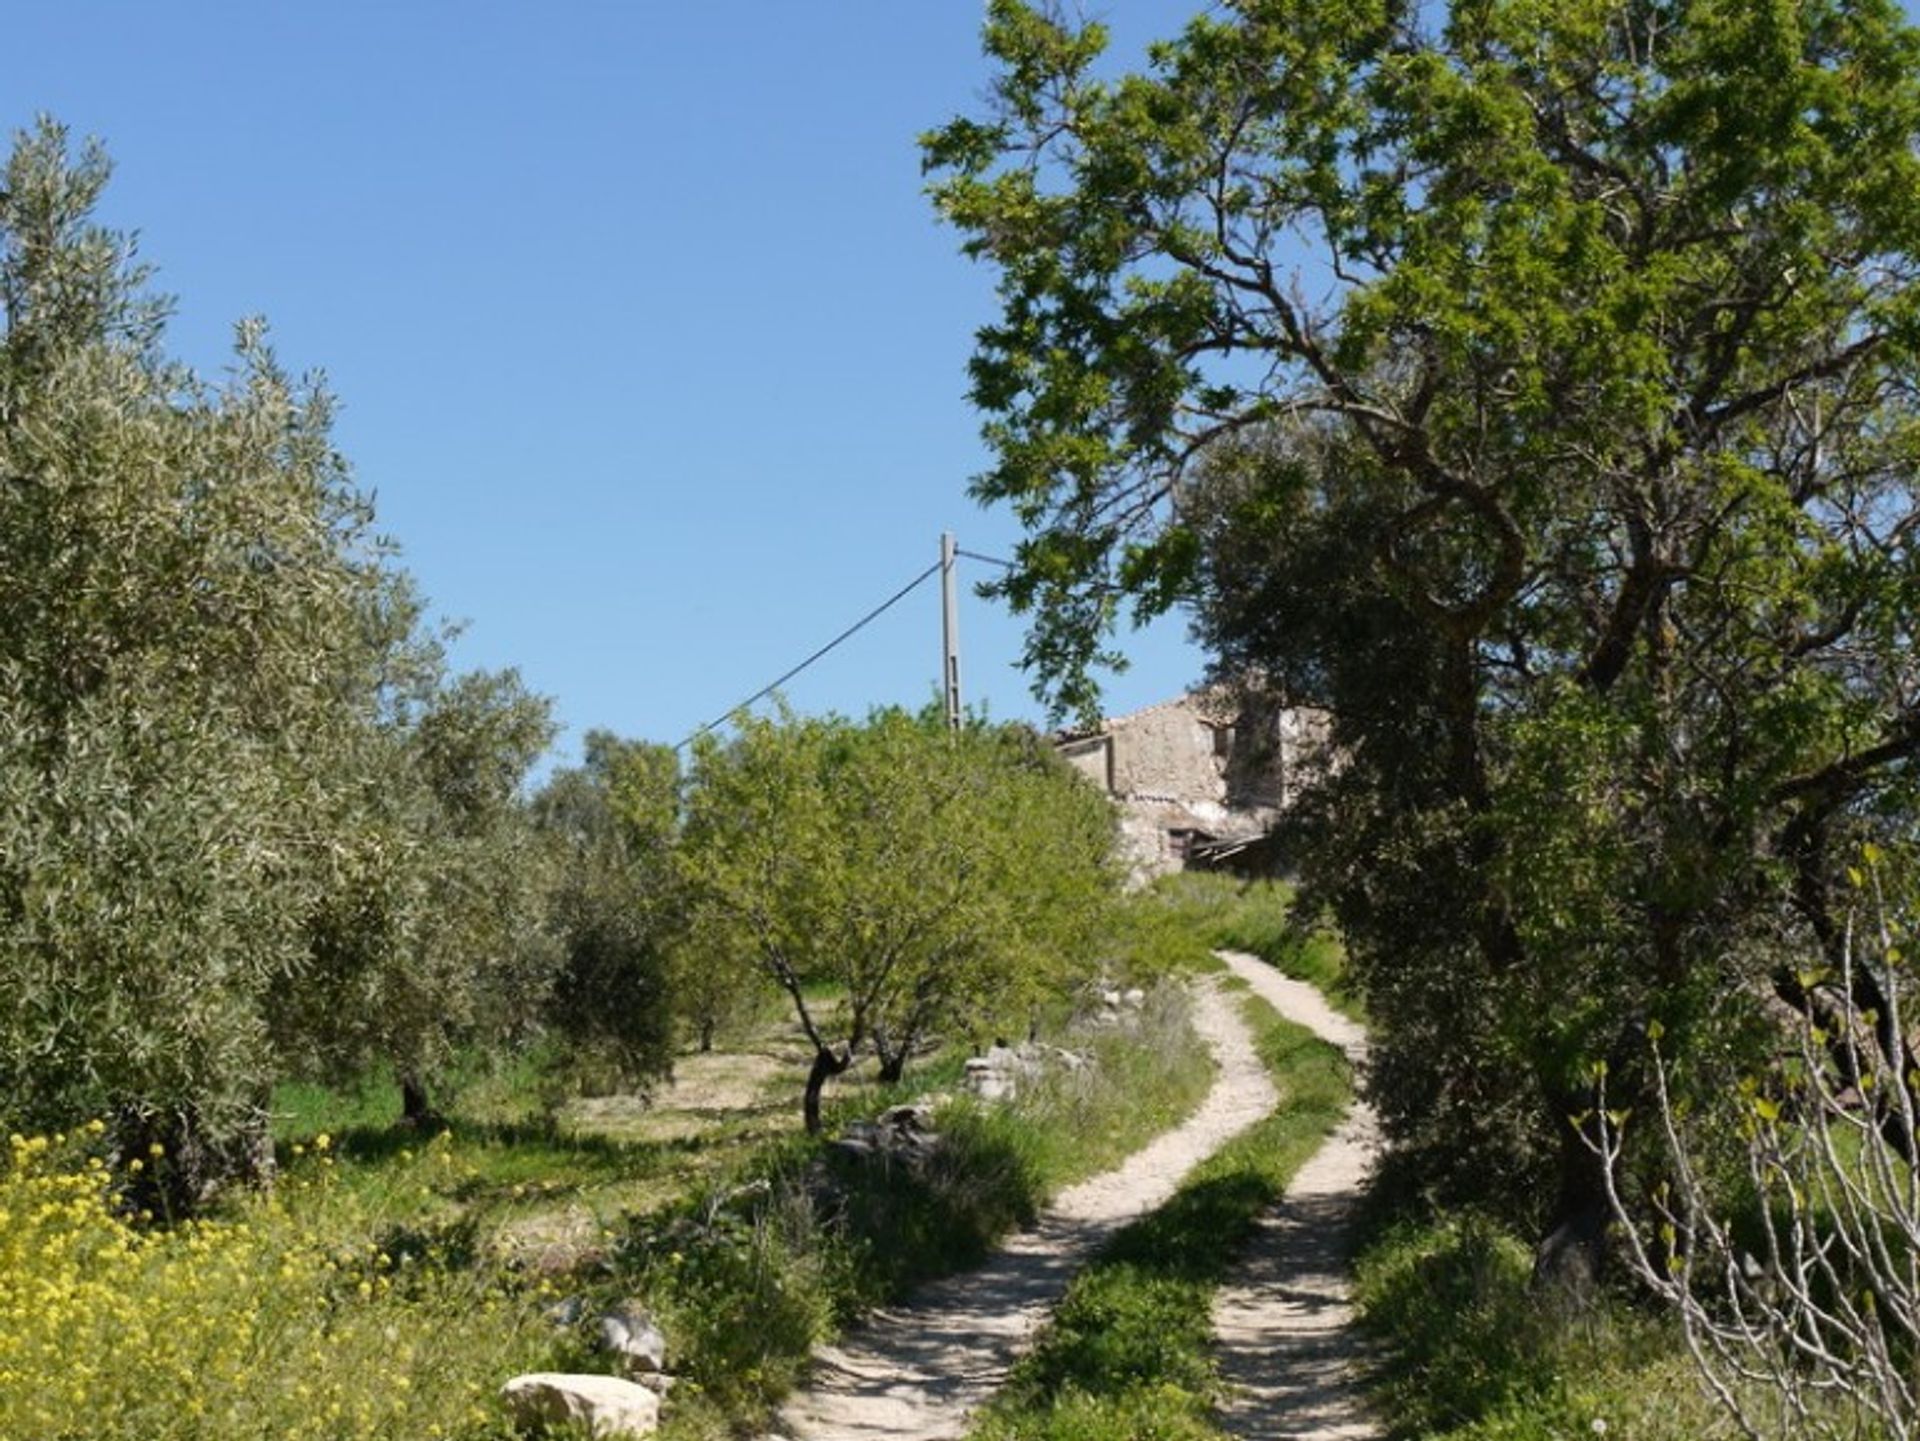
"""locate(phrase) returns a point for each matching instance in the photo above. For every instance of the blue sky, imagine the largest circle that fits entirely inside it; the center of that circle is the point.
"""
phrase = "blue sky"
(646, 339)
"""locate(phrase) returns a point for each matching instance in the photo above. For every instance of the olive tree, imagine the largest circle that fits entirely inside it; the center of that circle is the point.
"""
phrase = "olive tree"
(613, 822)
(892, 877)
(433, 935)
(196, 626)
(247, 822)
(1531, 386)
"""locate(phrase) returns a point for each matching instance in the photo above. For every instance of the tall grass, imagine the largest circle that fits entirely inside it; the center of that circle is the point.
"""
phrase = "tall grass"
(1469, 1353)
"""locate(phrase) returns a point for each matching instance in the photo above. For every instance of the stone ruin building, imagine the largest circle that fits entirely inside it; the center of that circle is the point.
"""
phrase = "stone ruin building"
(1200, 779)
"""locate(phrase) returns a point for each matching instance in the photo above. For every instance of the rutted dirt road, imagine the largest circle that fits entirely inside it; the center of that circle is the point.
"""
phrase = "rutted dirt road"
(917, 1371)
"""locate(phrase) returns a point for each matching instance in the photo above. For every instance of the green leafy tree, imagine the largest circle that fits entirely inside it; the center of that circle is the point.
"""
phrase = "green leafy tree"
(437, 942)
(614, 821)
(892, 877)
(1532, 386)
(197, 627)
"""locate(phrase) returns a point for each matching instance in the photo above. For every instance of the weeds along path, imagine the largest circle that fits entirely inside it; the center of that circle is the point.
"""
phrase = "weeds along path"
(1283, 1326)
(918, 1370)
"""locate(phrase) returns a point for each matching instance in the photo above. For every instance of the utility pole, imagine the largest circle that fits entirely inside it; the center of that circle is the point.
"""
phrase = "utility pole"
(949, 632)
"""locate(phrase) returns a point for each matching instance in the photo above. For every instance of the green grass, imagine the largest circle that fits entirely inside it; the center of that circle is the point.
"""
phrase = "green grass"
(1128, 1353)
(1260, 918)
(754, 1271)
(1470, 1354)
(752, 1241)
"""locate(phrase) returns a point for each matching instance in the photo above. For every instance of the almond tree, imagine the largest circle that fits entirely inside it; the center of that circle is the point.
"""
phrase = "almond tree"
(892, 877)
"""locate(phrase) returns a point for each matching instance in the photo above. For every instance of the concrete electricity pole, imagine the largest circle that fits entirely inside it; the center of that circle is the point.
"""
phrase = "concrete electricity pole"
(949, 632)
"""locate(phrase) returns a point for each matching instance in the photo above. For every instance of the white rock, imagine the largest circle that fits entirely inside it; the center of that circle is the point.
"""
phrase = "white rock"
(995, 1076)
(630, 1333)
(992, 1085)
(608, 1406)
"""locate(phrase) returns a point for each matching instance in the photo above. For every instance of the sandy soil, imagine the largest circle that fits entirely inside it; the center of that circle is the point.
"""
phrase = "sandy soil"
(1286, 1346)
(918, 1371)
(705, 1089)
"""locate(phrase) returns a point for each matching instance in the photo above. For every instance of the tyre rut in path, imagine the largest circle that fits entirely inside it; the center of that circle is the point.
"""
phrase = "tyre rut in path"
(1283, 1330)
(917, 1371)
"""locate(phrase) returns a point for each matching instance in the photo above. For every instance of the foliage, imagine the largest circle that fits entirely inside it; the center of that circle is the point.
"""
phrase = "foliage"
(247, 822)
(614, 821)
(258, 1325)
(196, 623)
(434, 939)
(1529, 386)
(910, 875)
(1128, 1352)
(1798, 1287)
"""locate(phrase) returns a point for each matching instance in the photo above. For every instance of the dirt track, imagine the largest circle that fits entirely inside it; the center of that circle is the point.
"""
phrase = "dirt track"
(918, 1371)
(1283, 1326)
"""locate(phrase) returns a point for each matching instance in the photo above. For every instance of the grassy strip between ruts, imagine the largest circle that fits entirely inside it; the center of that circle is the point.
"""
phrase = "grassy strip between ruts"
(1127, 1356)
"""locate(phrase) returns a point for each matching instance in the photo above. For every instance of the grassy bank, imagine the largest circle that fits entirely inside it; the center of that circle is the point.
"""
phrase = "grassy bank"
(1468, 1353)
(1260, 918)
(1128, 1353)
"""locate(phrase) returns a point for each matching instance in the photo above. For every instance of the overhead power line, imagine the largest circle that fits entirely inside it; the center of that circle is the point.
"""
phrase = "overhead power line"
(845, 635)
(989, 559)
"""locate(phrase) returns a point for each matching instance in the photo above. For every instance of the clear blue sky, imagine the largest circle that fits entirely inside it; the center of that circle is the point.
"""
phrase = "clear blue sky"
(646, 339)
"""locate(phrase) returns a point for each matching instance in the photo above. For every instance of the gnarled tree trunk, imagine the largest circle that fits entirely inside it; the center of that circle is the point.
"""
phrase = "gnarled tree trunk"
(826, 1065)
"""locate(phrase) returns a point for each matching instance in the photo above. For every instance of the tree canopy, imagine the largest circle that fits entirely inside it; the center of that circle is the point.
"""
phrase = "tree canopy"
(614, 821)
(892, 877)
(1531, 386)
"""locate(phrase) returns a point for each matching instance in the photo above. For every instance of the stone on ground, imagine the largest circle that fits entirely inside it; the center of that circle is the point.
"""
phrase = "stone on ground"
(608, 1406)
(630, 1333)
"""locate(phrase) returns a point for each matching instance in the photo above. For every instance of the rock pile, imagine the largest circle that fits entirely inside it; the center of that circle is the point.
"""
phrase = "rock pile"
(1111, 1004)
(902, 1133)
(1002, 1070)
